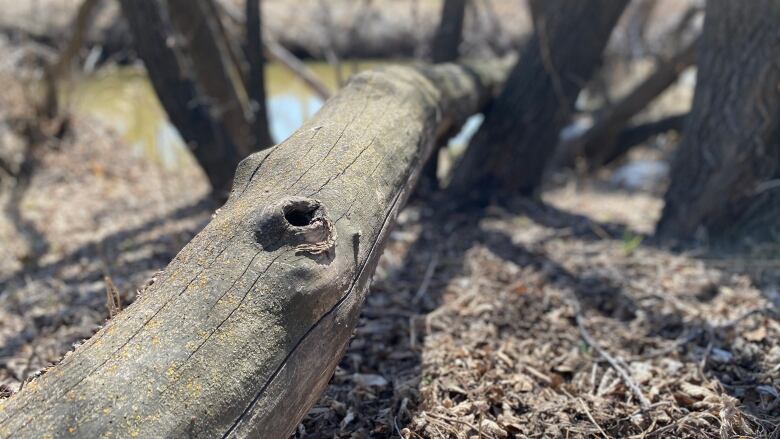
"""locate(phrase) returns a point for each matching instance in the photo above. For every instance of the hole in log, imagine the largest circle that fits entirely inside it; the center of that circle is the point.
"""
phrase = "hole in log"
(300, 214)
(298, 222)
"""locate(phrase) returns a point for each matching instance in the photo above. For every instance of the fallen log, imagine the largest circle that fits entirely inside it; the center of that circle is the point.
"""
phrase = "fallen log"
(242, 331)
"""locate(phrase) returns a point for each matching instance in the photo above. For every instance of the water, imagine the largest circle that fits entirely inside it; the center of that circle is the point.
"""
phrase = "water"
(123, 98)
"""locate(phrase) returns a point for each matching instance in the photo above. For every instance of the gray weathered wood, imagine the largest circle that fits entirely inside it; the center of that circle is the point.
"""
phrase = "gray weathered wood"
(242, 331)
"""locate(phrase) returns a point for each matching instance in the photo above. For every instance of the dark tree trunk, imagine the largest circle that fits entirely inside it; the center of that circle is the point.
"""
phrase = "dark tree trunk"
(520, 131)
(200, 38)
(731, 141)
(178, 93)
(445, 48)
(447, 39)
(256, 82)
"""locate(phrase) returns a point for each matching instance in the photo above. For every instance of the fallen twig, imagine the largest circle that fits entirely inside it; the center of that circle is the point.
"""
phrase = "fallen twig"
(113, 300)
(427, 278)
(624, 374)
(587, 412)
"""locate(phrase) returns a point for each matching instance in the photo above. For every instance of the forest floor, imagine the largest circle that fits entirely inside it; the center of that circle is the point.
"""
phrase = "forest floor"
(540, 319)
(492, 324)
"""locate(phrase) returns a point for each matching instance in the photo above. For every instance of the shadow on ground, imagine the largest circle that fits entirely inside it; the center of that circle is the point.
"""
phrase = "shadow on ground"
(49, 307)
(471, 328)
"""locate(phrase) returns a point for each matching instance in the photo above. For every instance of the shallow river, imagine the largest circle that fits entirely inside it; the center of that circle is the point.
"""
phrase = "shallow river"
(124, 98)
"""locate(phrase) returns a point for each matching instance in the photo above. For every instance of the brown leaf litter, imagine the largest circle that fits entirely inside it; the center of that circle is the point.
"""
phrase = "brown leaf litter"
(535, 320)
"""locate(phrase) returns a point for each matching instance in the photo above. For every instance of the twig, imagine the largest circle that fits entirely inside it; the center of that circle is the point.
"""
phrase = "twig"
(677, 344)
(297, 67)
(647, 430)
(735, 321)
(593, 372)
(627, 379)
(427, 278)
(412, 333)
(281, 54)
(587, 412)
(113, 300)
(329, 49)
(537, 374)
(706, 356)
(458, 421)
(25, 376)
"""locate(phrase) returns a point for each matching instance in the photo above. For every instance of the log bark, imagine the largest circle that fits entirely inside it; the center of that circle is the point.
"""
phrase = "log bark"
(179, 95)
(731, 142)
(520, 130)
(242, 331)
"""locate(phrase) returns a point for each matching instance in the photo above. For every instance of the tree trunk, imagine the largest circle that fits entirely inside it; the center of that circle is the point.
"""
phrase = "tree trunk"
(256, 83)
(55, 72)
(446, 41)
(218, 78)
(520, 131)
(445, 48)
(244, 328)
(212, 147)
(731, 141)
(278, 52)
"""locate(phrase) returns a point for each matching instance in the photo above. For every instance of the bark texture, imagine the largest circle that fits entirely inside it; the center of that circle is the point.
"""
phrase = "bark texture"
(731, 141)
(242, 331)
(219, 80)
(520, 131)
(178, 92)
